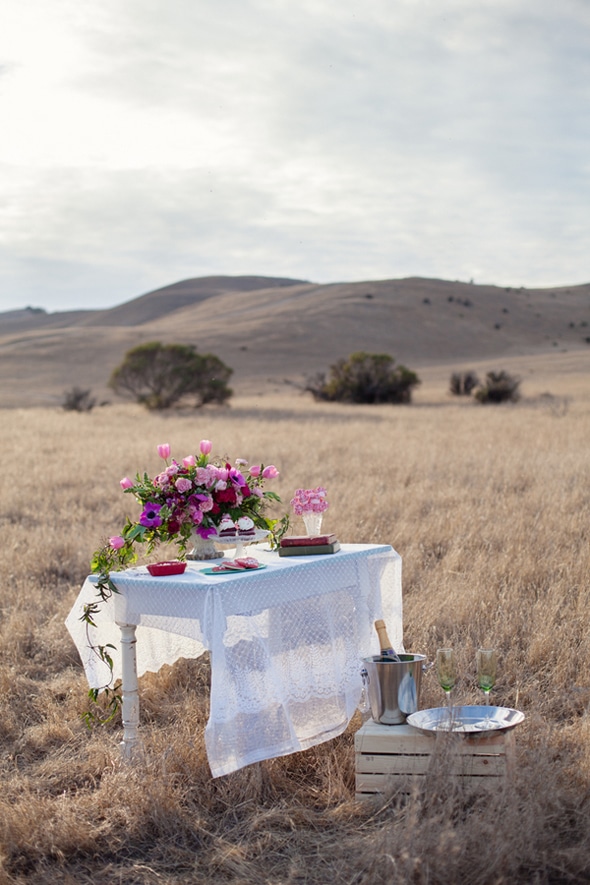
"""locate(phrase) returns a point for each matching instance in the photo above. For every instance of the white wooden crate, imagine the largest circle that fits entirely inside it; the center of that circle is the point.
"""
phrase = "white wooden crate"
(388, 756)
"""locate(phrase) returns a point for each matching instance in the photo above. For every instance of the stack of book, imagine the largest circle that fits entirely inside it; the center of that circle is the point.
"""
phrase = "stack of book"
(304, 545)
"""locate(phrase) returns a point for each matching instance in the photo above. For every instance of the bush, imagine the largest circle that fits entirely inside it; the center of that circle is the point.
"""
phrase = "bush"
(499, 387)
(463, 383)
(78, 400)
(365, 378)
(160, 375)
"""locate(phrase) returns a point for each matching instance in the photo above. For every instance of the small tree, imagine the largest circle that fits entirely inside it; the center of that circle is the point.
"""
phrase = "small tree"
(78, 400)
(160, 375)
(463, 383)
(499, 387)
(365, 378)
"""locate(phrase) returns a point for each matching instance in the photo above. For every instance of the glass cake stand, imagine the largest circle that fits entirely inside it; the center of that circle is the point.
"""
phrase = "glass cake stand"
(241, 542)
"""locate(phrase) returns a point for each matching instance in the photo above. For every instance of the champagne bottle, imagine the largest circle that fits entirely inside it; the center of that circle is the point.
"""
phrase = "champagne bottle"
(387, 650)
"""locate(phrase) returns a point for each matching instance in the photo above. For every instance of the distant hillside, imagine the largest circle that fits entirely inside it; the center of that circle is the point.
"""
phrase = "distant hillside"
(271, 329)
(162, 303)
(143, 309)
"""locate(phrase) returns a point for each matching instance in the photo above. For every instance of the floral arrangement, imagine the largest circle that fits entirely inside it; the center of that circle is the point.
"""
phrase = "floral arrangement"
(309, 501)
(186, 497)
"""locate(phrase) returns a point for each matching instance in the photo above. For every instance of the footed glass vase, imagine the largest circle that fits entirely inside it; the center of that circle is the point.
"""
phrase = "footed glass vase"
(313, 523)
(202, 549)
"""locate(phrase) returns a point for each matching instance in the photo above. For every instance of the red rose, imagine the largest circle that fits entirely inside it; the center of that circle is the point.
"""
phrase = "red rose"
(226, 496)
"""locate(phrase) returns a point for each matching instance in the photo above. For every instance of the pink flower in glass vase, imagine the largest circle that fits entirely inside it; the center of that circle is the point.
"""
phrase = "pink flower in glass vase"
(309, 501)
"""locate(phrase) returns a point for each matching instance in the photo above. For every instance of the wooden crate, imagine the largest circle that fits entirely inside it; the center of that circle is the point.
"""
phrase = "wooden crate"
(389, 756)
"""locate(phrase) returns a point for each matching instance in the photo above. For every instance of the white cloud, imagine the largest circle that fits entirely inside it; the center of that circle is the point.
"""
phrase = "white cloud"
(326, 140)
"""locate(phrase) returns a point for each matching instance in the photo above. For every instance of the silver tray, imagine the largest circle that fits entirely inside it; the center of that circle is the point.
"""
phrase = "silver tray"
(466, 720)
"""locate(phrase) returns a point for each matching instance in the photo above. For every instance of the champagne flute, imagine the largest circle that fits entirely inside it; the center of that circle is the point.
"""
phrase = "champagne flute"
(487, 661)
(447, 674)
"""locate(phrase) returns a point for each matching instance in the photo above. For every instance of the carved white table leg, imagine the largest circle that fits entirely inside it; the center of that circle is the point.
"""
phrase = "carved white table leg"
(130, 695)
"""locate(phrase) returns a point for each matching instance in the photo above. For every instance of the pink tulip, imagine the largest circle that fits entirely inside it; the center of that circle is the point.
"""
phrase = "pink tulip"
(164, 450)
(126, 483)
(205, 446)
(255, 470)
(270, 472)
(117, 542)
(189, 461)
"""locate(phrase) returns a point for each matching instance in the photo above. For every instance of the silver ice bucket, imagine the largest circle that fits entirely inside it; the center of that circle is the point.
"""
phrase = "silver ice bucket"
(393, 687)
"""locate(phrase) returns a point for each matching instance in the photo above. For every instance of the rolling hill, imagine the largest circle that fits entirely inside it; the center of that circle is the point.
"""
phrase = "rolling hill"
(274, 329)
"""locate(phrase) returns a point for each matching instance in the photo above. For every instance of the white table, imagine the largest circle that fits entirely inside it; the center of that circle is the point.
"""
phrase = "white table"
(286, 643)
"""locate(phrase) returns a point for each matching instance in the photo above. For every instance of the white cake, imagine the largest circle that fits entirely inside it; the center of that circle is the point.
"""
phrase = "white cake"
(226, 528)
(245, 527)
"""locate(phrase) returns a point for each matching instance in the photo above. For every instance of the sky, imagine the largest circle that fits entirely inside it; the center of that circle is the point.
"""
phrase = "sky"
(144, 142)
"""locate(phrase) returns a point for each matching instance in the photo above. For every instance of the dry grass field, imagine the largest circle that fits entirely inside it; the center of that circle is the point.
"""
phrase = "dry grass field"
(488, 507)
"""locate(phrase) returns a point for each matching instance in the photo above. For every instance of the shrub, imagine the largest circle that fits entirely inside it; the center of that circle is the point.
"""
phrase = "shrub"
(499, 387)
(160, 375)
(78, 400)
(463, 383)
(365, 378)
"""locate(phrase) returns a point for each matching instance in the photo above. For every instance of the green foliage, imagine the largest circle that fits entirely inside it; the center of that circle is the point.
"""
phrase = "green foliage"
(160, 375)
(365, 378)
(463, 383)
(499, 387)
(78, 400)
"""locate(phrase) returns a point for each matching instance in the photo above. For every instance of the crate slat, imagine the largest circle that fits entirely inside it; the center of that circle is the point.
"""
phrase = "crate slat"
(420, 764)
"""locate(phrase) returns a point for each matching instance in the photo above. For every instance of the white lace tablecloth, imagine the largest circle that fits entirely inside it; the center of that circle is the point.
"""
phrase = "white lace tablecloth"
(286, 641)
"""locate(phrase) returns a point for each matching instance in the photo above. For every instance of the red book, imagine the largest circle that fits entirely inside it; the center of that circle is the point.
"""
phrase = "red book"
(306, 541)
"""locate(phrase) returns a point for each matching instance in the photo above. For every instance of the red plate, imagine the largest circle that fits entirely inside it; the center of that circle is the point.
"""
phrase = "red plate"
(166, 568)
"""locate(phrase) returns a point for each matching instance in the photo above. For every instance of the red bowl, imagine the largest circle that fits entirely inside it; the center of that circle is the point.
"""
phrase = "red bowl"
(166, 568)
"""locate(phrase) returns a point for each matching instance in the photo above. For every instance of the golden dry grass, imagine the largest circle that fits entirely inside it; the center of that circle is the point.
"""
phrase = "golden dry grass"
(488, 506)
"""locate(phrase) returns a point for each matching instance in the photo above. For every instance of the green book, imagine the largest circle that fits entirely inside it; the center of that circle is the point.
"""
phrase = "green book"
(310, 549)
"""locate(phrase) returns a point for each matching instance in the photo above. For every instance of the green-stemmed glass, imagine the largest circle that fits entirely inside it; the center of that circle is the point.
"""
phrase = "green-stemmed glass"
(446, 671)
(487, 661)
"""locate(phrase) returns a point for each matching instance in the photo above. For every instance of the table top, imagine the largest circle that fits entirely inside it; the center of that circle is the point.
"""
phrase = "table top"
(286, 641)
(188, 595)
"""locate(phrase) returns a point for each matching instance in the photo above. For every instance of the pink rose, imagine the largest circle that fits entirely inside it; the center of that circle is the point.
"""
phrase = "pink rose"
(126, 483)
(270, 472)
(205, 446)
(117, 542)
(206, 503)
(164, 450)
(183, 484)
